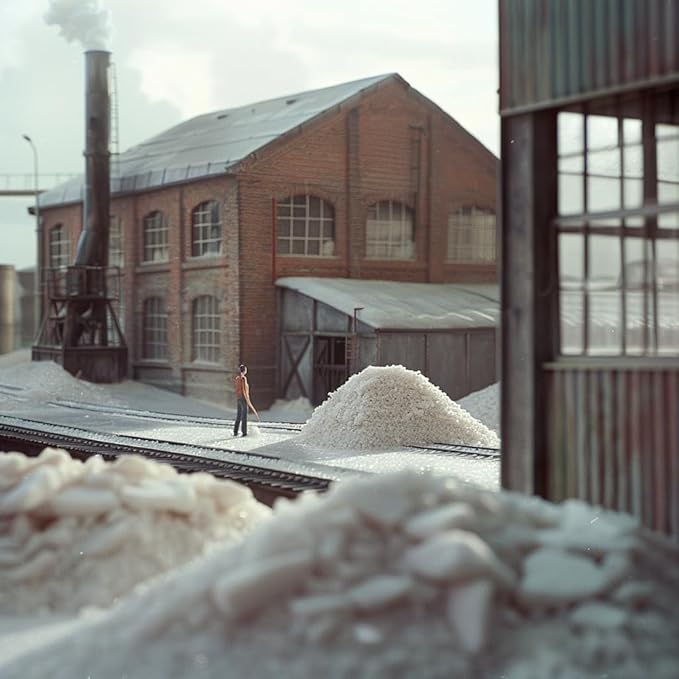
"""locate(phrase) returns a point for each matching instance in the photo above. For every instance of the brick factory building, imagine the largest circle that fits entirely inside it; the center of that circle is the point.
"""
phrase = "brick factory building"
(364, 180)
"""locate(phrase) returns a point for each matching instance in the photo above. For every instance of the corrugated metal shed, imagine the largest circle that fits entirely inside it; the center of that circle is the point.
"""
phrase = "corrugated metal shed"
(389, 305)
(214, 143)
(553, 52)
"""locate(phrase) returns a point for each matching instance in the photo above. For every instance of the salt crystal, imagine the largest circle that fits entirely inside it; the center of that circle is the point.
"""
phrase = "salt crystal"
(321, 603)
(34, 489)
(468, 607)
(456, 555)
(34, 569)
(600, 615)
(159, 496)
(555, 576)
(379, 591)
(83, 501)
(424, 524)
(244, 591)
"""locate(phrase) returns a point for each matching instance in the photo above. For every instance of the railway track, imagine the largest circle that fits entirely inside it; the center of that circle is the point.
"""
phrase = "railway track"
(267, 474)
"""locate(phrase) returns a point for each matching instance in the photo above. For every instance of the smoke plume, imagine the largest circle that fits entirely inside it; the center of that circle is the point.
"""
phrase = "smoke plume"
(83, 21)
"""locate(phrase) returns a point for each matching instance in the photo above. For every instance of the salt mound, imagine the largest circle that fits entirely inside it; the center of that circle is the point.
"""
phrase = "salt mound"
(46, 380)
(404, 575)
(484, 405)
(74, 534)
(386, 407)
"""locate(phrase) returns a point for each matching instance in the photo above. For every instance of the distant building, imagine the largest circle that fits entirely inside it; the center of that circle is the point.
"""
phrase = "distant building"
(364, 180)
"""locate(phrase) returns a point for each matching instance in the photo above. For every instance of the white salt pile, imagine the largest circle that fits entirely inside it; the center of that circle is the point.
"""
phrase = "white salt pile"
(384, 407)
(403, 575)
(484, 405)
(46, 380)
(76, 534)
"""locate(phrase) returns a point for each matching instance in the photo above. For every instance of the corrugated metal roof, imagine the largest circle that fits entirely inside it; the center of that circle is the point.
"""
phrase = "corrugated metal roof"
(214, 143)
(553, 51)
(390, 305)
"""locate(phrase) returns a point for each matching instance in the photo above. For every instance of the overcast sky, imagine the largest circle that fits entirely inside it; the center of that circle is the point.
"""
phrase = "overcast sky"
(176, 60)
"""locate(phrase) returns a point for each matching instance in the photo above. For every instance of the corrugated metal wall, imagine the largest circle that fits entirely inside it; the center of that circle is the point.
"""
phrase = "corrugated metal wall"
(614, 439)
(583, 47)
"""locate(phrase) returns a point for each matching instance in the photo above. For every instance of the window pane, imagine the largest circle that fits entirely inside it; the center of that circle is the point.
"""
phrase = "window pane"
(571, 199)
(602, 194)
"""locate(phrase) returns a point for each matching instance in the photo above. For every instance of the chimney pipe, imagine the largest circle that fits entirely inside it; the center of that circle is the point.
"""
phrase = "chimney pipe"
(93, 242)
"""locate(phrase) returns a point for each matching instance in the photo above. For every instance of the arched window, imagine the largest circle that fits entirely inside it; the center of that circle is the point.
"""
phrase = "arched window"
(206, 329)
(471, 235)
(59, 247)
(155, 237)
(389, 232)
(206, 229)
(154, 332)
(306, 226)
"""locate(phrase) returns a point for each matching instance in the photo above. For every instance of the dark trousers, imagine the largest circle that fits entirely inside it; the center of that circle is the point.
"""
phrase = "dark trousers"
(241, 417)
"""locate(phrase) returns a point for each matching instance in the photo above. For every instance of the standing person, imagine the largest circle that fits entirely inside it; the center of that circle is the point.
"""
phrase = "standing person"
(242, 389)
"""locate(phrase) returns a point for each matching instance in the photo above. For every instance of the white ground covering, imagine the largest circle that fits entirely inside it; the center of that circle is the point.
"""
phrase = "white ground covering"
(45, 380)
(401, 575)
(76, 534)
(391, 406)
(484, 405)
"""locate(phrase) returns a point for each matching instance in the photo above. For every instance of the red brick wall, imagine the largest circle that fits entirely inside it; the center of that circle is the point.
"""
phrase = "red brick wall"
(391, 145)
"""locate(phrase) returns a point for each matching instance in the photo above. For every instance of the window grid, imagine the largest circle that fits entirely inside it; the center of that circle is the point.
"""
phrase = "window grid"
(154, 333)
(115, 243)
(206, 329)
(471, 235)
(618, 228)
(389, 231)
(206, 230)
(60, 247)
(305, 226)
(155, 231)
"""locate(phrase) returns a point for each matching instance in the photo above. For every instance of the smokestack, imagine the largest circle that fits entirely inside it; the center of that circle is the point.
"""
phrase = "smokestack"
(93, 243)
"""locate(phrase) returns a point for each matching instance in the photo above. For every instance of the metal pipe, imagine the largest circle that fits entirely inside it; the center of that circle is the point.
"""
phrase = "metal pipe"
(37, 279)
(93, 242)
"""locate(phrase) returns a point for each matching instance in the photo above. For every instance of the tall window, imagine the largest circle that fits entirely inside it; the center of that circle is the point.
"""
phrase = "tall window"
(206, 229)
(115, 242)
(471, 235)
(618, 226)
(206, 327)
(306, 226)
(155, 230)
(389, 231)
(154, 333)
(60, 247)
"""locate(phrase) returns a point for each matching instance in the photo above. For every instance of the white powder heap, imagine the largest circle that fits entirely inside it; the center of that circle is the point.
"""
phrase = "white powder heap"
(76, 534)
(403, 575)
(386, 407)
(484, 405)
(46, 380)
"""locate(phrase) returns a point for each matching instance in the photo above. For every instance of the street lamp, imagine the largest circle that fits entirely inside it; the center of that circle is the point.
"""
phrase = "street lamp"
(37, 308)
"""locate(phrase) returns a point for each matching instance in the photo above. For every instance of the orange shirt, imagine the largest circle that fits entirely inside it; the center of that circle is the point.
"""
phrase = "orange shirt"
(241, 386)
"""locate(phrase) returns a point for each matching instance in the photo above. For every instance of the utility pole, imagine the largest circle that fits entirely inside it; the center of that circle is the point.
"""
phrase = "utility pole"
(37, 280)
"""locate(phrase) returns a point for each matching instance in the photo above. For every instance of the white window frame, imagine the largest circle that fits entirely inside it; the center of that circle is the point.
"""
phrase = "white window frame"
(115, 243)
(59, 247)
(390, 231)
(305, 227)
(155, 236)
(206, 229)
(154, 329)
(206, 335)
(471, 235)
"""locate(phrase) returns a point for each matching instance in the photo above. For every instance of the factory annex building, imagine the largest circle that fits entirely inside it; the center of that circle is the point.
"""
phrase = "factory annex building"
(364, 180)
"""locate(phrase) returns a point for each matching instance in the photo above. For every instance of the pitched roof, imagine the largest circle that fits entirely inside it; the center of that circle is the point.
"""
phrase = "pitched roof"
(214, 143)
(391, 305)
